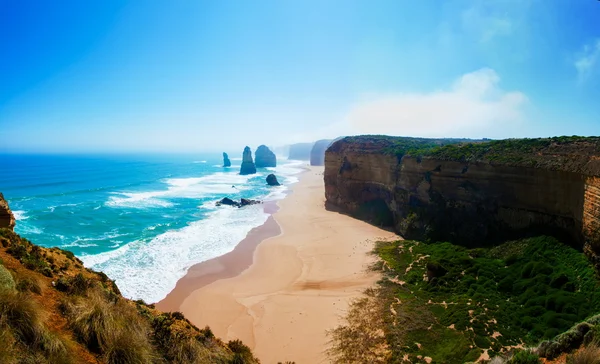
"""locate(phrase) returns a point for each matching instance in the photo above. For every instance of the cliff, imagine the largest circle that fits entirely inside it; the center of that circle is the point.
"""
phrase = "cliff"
(300, 151)
(54, 310)
(470, 193)
(248, 166)
(264, 157)
(226, 161)
(7, 220)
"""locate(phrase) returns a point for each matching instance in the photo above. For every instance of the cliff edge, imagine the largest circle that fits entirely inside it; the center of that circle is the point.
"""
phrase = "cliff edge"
(7, 219)
(470, 193)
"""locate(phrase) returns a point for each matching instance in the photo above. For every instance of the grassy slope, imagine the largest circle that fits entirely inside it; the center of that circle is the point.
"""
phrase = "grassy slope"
(449, 303)
(54, 310)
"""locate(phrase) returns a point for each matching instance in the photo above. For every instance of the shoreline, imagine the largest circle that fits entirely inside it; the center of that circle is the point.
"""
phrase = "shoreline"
(288, 282)
(224, 266)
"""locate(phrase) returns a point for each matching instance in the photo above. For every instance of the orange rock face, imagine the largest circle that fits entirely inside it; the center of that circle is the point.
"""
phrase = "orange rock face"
(7, 220)
(469, 203)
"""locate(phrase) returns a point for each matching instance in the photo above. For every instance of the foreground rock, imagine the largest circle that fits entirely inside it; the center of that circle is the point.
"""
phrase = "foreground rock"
(248, 166)
(272, 180)
(264, 157)
(7, 219)
(226, 161)
(243, 202)
(471, 193)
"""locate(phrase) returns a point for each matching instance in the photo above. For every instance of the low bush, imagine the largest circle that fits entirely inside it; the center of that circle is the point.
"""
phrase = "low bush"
(525, 357)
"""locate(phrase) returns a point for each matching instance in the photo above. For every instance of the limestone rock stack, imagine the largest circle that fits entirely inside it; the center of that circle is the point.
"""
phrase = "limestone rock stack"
(264, 157)
(248, 166)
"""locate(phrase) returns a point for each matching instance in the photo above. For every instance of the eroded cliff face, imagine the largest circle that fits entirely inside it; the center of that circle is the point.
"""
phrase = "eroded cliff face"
(469, 203)
(7, 220)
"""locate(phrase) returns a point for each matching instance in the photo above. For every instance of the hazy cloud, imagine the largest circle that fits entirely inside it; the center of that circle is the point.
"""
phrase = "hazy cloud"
(474, 106)
(486, 23)
(587, 61)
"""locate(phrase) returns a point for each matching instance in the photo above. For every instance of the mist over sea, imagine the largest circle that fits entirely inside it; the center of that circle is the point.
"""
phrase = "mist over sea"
(141, 219)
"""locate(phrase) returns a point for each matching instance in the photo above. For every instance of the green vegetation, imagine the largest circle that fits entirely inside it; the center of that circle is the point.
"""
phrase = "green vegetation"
(527, 152)
(450, 303)
(525, 357)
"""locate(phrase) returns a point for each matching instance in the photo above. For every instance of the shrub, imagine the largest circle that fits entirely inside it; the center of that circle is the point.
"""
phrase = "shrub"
(525, 357)
(6, 279)
(28, 283)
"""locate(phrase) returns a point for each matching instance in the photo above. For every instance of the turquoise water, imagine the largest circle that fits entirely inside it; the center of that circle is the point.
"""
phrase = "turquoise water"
(142, 219)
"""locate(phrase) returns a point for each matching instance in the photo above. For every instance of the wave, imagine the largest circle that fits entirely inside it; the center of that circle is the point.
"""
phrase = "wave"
(20, 215)
(193, 188)
(199, 162)
(149, 270)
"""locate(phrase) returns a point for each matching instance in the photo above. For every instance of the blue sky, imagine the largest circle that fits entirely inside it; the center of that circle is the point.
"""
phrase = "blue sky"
(215, 75)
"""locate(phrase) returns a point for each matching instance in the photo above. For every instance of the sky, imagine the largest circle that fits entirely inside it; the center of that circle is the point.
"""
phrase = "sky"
(178, 76)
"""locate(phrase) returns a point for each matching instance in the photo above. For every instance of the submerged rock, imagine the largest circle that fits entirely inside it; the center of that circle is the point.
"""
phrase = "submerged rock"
(248, 166)
(226, 161)
(246, 202)
(264, 157)
(243, 202)
(7, 219)
(272, 180)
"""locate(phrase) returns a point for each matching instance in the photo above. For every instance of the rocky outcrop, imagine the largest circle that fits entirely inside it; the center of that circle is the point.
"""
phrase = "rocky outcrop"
(272, 180)
(300, 151)
(243, 202)
(248, 166)
(473, 194)
(264, 157)
(317, 152)
(226, 161)
(7, 219)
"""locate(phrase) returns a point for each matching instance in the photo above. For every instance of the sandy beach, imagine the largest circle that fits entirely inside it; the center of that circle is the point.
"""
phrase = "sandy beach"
(288, 282)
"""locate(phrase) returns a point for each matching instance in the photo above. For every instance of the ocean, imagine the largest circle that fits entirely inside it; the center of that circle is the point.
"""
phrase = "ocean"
(141, 219)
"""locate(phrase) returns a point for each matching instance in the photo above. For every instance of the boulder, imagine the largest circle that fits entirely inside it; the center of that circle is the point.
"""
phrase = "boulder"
(272, 180)
(243, 202)
(226, 161)
(246, 202)
(229, 202)
(264, 157)
(248, 166)
(7, 219)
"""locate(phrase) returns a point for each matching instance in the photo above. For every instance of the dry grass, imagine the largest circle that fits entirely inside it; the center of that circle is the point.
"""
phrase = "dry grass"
(587, 355)
(22, 323)
(110, 328)
(361, 339)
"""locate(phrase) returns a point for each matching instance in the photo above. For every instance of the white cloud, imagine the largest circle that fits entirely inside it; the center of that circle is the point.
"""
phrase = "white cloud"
(588, 60)
(474, 106)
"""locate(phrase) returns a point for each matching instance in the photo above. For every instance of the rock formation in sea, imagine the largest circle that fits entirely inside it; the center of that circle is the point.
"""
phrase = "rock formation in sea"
(248, 166)
(264, 157)
(272, 180)
(243, 202)
(470, 193)
(300, 151)
(226, 161)
(317, 152)
(7, 219)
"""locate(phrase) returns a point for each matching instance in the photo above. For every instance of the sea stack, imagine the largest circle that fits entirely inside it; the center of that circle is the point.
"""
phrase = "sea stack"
(226, 161)
(7, 220)
(272, 180)
(248, 166)
(265, 157)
